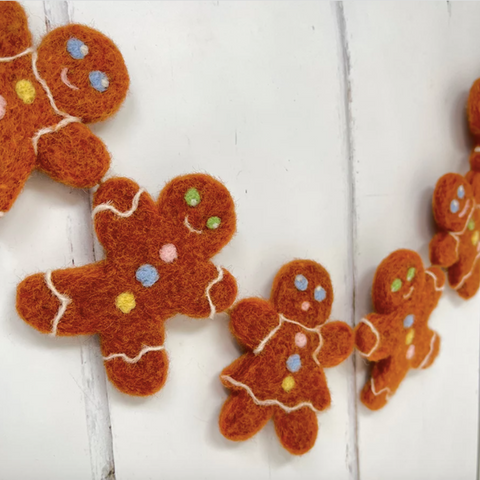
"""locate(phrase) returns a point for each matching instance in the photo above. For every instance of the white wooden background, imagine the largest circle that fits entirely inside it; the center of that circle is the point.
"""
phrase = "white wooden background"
(330, 124)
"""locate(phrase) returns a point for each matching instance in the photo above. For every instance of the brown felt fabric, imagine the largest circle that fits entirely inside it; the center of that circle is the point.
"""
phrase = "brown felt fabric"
(265, 371)
(403, 344)
(130, 243)
(456, 246)
(72, 155)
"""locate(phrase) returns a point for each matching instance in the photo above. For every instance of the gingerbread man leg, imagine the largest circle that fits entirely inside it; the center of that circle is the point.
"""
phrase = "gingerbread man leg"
(136, 362)
(387, 374)
(296, 430)
(471, 283)
(241, 418)
(426, 349)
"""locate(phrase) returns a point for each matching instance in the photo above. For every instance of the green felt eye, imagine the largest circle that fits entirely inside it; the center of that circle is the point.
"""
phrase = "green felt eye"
(410, 274)
(192, 197)
(213, 223)
(396, 285)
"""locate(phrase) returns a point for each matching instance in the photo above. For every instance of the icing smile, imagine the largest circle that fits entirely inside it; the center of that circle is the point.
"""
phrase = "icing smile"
(465, 209)
(193, 230)
(409, 293)
(65, 80)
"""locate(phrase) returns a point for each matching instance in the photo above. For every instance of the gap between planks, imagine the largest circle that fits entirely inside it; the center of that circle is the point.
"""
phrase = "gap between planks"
(97, 410)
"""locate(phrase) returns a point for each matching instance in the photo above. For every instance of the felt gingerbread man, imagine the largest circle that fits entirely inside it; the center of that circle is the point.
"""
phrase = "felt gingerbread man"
(456, 246)
(473, 115)
(157, 265)
(47, 95)
(397, 337)
(289, 342)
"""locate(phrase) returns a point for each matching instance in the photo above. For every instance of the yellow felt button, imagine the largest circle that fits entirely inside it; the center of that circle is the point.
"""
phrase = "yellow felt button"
(409, 337)
(125, 302)
(26, 91)
(288, 383)
(475, 237)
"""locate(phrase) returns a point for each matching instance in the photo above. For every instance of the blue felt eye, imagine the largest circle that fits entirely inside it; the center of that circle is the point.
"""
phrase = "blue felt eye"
(454, 206)
(77, 49)
(460, 192)
(301, 283)
(99, 81)
(320, 294)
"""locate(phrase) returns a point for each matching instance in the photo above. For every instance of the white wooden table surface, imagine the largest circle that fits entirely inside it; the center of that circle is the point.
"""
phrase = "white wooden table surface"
(330, 124)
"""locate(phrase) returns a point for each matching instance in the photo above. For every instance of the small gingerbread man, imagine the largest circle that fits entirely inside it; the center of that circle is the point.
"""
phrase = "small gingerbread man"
(157, 264)
(397, 337)
(288, 345)
(76, 76)
(457, 244)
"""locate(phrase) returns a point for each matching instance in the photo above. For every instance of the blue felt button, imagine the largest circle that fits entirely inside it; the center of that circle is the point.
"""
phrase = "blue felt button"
(147, 275)
(408, 322)
(294, 363)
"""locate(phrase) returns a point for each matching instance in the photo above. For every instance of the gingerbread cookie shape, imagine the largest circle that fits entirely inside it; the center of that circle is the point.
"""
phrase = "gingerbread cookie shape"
(157, 265)
(289, 342)
(456, 246)
(397, 337)
(47, 95)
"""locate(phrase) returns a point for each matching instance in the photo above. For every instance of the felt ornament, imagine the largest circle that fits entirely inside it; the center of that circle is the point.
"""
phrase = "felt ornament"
(456, 246)
(397, 338)
(47, 95)
(157, 265)
(288, 343)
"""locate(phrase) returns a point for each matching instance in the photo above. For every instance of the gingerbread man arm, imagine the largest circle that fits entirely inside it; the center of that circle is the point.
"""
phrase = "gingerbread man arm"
(443, 250)
(15, 37)
(73, 155)
(58, 303)
(337, 343)
(252, 320)
(375, 336)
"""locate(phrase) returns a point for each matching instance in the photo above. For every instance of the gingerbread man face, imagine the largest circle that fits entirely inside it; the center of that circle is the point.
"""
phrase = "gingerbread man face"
(453, 202)
(155, 267)
(398, 282)
(303, 292)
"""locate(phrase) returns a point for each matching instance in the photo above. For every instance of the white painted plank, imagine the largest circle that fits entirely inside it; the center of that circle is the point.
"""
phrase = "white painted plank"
(411, 68)
(250, 92)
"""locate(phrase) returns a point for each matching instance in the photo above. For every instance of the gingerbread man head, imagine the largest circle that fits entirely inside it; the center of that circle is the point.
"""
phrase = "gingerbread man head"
(473, 108)
(302, 291)
(453, 202)
(84, 70)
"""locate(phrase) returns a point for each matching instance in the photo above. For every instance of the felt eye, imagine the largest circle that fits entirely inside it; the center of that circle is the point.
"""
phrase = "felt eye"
(460, 192)
(213, 223)
(454, 206)
(192, 197)
(77, 49)
(301, 283)
(99, 81)
(396, 285)
(319, 294)
(411, 274)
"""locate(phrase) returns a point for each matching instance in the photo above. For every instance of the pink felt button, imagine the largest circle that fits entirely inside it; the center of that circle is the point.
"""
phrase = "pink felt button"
(410, 352)
(300, 340)
(168, 253)
(305, 306)
(3, 107)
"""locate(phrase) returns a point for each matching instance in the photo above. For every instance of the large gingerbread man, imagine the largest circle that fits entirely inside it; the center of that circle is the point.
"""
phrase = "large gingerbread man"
(288, 345)
(76, 76)
(157, 264)
(457, 244)
(397, 337)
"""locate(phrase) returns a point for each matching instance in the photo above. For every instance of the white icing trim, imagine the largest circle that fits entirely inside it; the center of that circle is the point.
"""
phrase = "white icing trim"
(465, 209)
(385, 389)
(376, 333)
(219, 278)
(455, 235)
(64, 302)
(107, 206)
(54, 128)
(477, 148)
(463, 280)
(409, 293)
(438, 289)
(193, 230)
(128, 359)
(22, 54)
(432, 344)
(269, 402)
(66, 81)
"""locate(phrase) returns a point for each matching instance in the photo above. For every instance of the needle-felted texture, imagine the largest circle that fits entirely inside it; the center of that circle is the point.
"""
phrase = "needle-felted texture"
(288, 344)
(397, 337)
(157, 265)
(456, 246)
(47, 97)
